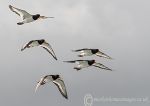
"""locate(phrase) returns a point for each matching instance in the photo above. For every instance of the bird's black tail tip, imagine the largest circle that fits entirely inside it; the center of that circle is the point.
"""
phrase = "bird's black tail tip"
(20, 23)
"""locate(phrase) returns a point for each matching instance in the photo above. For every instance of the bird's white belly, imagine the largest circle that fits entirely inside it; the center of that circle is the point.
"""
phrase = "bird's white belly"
(34, 44)
(27, 20)
(83, 65)
(86, 53)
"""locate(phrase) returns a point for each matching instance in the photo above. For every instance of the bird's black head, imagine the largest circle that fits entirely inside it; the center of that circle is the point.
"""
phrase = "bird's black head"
(41, 41)
(94, 51)
(35, 17)
(93, 61)
(55, 77)
(90, 62)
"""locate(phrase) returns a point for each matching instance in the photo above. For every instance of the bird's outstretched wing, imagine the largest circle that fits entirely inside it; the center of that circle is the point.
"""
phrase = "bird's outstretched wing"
(77, 61)
(43, 81)
(80, 50)
(22, 13)
(26, 45)
(48, 48)
(61, 86)
(39, 84)
(101, 54)
(99, 65)
(70, 61)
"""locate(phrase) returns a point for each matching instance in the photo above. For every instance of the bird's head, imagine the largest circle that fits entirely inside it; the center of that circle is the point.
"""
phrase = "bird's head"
(38, 15)
(93, 61)
(57, 76)
(97, 50)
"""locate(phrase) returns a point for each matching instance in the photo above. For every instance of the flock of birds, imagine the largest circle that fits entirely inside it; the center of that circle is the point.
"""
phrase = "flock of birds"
(56, 79)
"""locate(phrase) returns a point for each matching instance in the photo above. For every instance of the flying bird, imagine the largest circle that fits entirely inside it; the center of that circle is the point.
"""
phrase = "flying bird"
(42, 43)
(87, 63)
(89, 52)
(25, 16)
(57, 80)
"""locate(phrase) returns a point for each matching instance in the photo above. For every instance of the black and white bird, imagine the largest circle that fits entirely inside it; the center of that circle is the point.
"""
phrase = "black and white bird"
(87, 63)
(25, 16)
(89, 52)
(42, 43)
(57, 80)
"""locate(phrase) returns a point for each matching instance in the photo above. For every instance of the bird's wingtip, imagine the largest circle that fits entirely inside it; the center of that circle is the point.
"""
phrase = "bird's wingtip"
(108, 57)
(34, 91)
(56, 58)
(112, 58)
(66, 97)
(66, 61)
(112, 70)
(10, 6)
(21, 49)
(73, 50)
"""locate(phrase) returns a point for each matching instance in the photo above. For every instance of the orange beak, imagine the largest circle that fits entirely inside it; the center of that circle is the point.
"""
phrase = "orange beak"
(43, 17)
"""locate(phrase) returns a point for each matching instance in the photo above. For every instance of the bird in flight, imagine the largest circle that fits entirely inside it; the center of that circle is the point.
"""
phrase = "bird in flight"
(57, 80)
(87, 63)
(89, 52)
(42, 43)
(25, 16)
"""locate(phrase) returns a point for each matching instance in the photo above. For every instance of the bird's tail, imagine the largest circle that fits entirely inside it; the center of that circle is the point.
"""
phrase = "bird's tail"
(20, 23)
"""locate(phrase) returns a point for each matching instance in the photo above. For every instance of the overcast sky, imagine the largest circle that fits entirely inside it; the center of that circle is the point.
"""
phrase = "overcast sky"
(120, 28)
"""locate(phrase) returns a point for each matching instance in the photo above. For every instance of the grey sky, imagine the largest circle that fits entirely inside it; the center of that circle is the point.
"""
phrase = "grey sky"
(120, 28)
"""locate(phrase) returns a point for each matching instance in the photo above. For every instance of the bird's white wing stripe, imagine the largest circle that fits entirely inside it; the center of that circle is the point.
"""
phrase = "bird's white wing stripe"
(25, 46)
(99, 65)
(61, 86)
(49, 49)
(39, 84)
